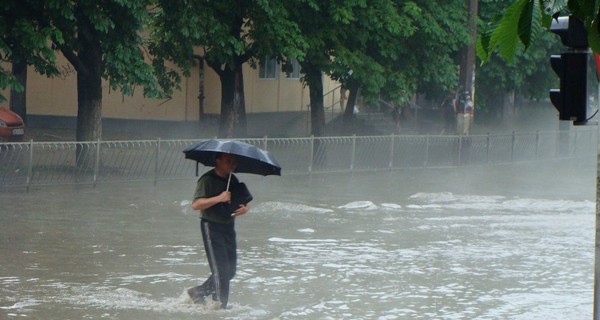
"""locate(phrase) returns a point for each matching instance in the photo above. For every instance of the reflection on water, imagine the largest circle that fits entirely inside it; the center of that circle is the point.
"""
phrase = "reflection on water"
(482, 243)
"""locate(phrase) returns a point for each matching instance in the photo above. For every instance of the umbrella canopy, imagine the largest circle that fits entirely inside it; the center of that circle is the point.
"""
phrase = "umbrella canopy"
(250, 159)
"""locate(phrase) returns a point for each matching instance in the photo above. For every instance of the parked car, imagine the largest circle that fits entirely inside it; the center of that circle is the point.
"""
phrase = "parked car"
(12, 127)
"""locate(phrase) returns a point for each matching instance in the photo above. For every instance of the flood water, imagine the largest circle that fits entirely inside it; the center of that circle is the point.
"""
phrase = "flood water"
(500, 242)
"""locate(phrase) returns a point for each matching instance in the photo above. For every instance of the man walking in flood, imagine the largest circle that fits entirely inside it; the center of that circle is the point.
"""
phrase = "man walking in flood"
(218, 229)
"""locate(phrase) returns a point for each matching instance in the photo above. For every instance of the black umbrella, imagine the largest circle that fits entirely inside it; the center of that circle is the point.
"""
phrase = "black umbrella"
(249, 159)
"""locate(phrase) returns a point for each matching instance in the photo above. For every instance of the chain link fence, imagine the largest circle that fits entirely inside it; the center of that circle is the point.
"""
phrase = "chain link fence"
(51, 163)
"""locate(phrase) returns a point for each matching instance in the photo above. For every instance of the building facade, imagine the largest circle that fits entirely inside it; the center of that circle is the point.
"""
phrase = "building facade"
(267, 90)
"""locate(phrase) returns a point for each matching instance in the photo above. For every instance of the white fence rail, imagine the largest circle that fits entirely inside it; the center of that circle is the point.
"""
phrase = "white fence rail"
(49, 163)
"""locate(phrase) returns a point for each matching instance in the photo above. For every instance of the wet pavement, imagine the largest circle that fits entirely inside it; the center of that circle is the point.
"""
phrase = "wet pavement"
(502, 242)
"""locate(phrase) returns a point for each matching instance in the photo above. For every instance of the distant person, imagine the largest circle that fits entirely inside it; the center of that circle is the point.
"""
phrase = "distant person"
(468, 117)
(448, 107)
(461, 106)
(218, 230)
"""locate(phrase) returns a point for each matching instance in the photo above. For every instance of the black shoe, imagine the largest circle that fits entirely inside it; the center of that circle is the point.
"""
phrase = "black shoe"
(195, 296)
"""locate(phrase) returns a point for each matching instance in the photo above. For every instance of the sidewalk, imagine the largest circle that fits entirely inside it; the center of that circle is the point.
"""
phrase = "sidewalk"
(150, 131)
(274, 125)
(258, 126)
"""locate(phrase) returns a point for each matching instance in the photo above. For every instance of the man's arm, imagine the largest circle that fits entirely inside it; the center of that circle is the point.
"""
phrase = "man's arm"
(205, 203)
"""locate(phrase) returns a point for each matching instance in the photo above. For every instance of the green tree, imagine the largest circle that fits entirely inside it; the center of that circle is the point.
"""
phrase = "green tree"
(370, 45)
(398, 48)
(224, 34)
(351, 41)
(430, 57)
(24, 41)
(101, 40)
(321, 25)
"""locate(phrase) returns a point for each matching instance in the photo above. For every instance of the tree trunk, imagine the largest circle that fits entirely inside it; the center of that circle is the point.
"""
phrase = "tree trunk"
(89, 117)
(349, 111)
(89, 99)
(89, 95)
(232, 122)
(314, 79)
(317, 110)
(18, 100)
(89, 109)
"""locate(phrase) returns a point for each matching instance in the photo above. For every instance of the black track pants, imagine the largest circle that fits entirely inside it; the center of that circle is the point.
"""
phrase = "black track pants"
(221, 252)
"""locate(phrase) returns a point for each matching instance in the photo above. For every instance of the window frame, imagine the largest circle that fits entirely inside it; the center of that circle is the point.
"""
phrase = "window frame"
(268, 69)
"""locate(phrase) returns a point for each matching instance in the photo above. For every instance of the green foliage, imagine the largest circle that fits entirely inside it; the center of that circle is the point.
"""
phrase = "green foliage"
(529, 23)
(33, 30)
(369, 44)
(390, 48)
(226, 33)
(525, 18)
(24, 38)
(527, 73)
(393, 48)
(432, 53)
(504, 34)
(116, 27)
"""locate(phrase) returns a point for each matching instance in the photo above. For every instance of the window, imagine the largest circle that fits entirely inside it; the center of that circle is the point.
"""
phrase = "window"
(267, 68)
(294, 71)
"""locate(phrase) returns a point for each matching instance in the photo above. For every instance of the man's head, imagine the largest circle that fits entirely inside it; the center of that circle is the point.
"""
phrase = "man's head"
(225, 163)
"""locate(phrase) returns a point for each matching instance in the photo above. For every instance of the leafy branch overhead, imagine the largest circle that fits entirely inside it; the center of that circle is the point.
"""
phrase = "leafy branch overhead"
(525, 19)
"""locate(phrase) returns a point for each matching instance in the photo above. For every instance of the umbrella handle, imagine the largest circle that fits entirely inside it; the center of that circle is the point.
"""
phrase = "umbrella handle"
(228, 182)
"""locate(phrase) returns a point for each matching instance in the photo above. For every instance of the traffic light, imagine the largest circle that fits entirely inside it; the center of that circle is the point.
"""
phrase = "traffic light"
(571, 67)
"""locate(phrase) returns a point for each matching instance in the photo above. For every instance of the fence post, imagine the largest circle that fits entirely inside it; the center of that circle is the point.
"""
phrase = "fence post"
(487, 149)
(426, 162)
(512, 148)
(353, 155)
(97, 162)
(157, 163)
(537, 143)
(30, 165)
(312, 153)
(392, 152)
(459, 150)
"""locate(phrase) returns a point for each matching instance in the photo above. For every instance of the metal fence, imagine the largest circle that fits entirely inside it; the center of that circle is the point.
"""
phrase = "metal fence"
(50, 163)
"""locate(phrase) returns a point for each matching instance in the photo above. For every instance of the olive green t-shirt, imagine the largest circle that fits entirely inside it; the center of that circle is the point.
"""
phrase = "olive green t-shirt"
(210, 185)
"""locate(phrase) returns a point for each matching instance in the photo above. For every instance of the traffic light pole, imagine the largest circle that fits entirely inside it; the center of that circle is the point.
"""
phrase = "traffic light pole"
(571, 101)
(597, 224)
(597, 246)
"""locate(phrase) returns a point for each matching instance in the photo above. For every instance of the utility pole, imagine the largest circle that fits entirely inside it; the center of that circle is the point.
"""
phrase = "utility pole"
(467, 64)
